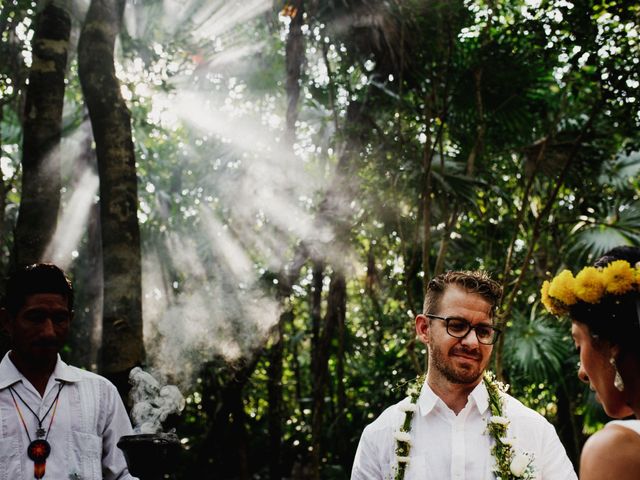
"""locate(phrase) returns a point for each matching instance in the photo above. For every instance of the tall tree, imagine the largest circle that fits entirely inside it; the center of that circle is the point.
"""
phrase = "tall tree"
(122, 342)
(294, 59)
(41, 178)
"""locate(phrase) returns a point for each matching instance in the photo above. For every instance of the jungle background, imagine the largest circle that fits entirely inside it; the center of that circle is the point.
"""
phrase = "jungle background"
(249, 196)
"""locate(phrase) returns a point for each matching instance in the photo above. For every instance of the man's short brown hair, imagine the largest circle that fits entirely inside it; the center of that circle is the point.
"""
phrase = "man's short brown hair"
(476, 281)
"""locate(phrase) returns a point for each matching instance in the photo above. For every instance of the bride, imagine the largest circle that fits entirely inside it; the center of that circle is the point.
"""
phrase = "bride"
(603, 303)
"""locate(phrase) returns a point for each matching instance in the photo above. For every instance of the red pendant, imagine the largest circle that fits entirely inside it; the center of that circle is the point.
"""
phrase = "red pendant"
(38, 470)
(38, 451)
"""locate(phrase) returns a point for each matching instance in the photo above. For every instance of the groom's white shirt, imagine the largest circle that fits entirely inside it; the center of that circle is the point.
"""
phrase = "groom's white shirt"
(457, 447)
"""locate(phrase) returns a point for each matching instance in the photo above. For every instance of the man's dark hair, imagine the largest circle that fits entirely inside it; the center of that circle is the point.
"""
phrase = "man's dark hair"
(33, 279)
(476, 281)
(615, 317)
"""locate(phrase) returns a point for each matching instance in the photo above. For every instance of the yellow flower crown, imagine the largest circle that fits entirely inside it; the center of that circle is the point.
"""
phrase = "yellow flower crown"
(589, 285)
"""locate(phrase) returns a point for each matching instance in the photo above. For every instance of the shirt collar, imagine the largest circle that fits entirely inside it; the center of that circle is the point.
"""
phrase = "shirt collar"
(10, 375)
(65, 373)
(428, 399)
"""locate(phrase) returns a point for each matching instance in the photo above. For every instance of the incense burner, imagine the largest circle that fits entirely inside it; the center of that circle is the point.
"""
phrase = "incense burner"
(151, 456)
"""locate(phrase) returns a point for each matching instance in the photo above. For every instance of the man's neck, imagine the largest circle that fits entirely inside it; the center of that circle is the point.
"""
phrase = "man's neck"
(37, 374)
(454, 395)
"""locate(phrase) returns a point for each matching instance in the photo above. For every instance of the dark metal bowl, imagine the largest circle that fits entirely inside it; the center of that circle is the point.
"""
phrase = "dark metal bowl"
(151, 455)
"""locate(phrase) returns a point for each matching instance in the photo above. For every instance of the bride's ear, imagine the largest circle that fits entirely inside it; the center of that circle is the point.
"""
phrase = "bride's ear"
(614, 351)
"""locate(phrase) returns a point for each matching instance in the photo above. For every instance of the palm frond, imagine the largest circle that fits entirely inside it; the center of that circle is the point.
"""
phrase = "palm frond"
(621, 171)
(593, 237)
(537, 347)
(454, 183)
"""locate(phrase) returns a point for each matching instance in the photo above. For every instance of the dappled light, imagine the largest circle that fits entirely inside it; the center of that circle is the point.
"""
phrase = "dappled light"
(63, 247)
(254, 196)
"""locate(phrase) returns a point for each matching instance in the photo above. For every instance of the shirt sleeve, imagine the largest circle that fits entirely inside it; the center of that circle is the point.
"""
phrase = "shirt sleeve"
(114, 465)
(555, 463)
(366, 465)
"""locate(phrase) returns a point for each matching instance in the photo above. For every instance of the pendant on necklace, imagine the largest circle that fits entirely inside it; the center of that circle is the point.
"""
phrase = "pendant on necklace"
(40, 432)
(38, 451)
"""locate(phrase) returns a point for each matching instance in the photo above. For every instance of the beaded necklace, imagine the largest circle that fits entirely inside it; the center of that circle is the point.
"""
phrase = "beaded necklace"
(38, 449)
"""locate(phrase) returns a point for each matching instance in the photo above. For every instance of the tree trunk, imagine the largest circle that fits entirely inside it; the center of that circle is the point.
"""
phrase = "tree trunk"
(425, 197)
(550, 198)
(566, 425)
(474, 155)
(41, 180)
(341, 426)
(274, 395)
(336, 307)
(316, 309)
(294, 52)
(294, 58)
(122, 342)
(223, 453)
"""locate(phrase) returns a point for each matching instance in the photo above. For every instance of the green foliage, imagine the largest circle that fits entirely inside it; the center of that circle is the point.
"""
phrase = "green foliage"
(537, 348)
(496, 98)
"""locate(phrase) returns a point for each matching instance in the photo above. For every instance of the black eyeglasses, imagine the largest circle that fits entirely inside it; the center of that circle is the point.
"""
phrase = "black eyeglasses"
(460, 328)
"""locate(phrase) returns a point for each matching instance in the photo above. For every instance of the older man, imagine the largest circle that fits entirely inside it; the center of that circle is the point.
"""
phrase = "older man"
(459, 425)
(56, 421)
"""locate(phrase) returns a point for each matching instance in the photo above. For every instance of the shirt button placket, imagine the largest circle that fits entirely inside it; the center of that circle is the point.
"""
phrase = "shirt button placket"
(457, 449)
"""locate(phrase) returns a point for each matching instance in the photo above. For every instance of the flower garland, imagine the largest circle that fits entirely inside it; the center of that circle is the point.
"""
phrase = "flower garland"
(590, 285)
(510, 465)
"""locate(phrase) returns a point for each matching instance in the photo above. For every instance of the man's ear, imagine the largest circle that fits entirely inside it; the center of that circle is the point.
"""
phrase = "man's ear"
(422, 329)
(5, 321)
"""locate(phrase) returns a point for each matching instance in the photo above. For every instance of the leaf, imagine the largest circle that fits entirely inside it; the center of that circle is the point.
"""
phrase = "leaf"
(537, 347)
(622, 171)
(621, 226)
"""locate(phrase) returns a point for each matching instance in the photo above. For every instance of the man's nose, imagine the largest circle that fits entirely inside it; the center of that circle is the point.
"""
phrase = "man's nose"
(47, 329)
(470, 340)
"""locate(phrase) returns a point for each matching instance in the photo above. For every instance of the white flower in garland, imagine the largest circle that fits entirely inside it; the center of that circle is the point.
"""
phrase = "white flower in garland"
(403, 437)
(509, 465)
(408, 407)
(499, 420)
(506, 441)
(519, 464)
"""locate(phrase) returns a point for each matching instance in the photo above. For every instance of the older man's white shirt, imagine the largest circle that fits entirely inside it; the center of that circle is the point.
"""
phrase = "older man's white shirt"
(90, 419)
(458, 447)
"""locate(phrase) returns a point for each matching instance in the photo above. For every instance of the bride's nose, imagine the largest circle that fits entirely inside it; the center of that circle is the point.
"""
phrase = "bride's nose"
(582, 375)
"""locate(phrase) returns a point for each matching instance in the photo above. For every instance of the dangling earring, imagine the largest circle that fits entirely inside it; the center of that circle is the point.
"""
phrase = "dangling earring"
(617, 380)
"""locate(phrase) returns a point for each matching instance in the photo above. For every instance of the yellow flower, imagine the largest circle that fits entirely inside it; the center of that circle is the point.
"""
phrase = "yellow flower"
(552, 306)
(544, 294)
(589, 286)
(618, 276)
(562, 288)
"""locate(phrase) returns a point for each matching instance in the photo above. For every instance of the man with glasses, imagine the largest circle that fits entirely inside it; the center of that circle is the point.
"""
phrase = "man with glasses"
(448, 434)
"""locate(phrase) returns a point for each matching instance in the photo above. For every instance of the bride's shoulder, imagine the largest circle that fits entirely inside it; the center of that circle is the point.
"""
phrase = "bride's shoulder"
(611, 453)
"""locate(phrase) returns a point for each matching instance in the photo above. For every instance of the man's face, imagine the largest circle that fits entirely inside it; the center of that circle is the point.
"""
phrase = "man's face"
(458, 360)
(40, 328)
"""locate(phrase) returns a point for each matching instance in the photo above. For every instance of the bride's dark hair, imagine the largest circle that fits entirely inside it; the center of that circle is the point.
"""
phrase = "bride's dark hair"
(616, 318)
